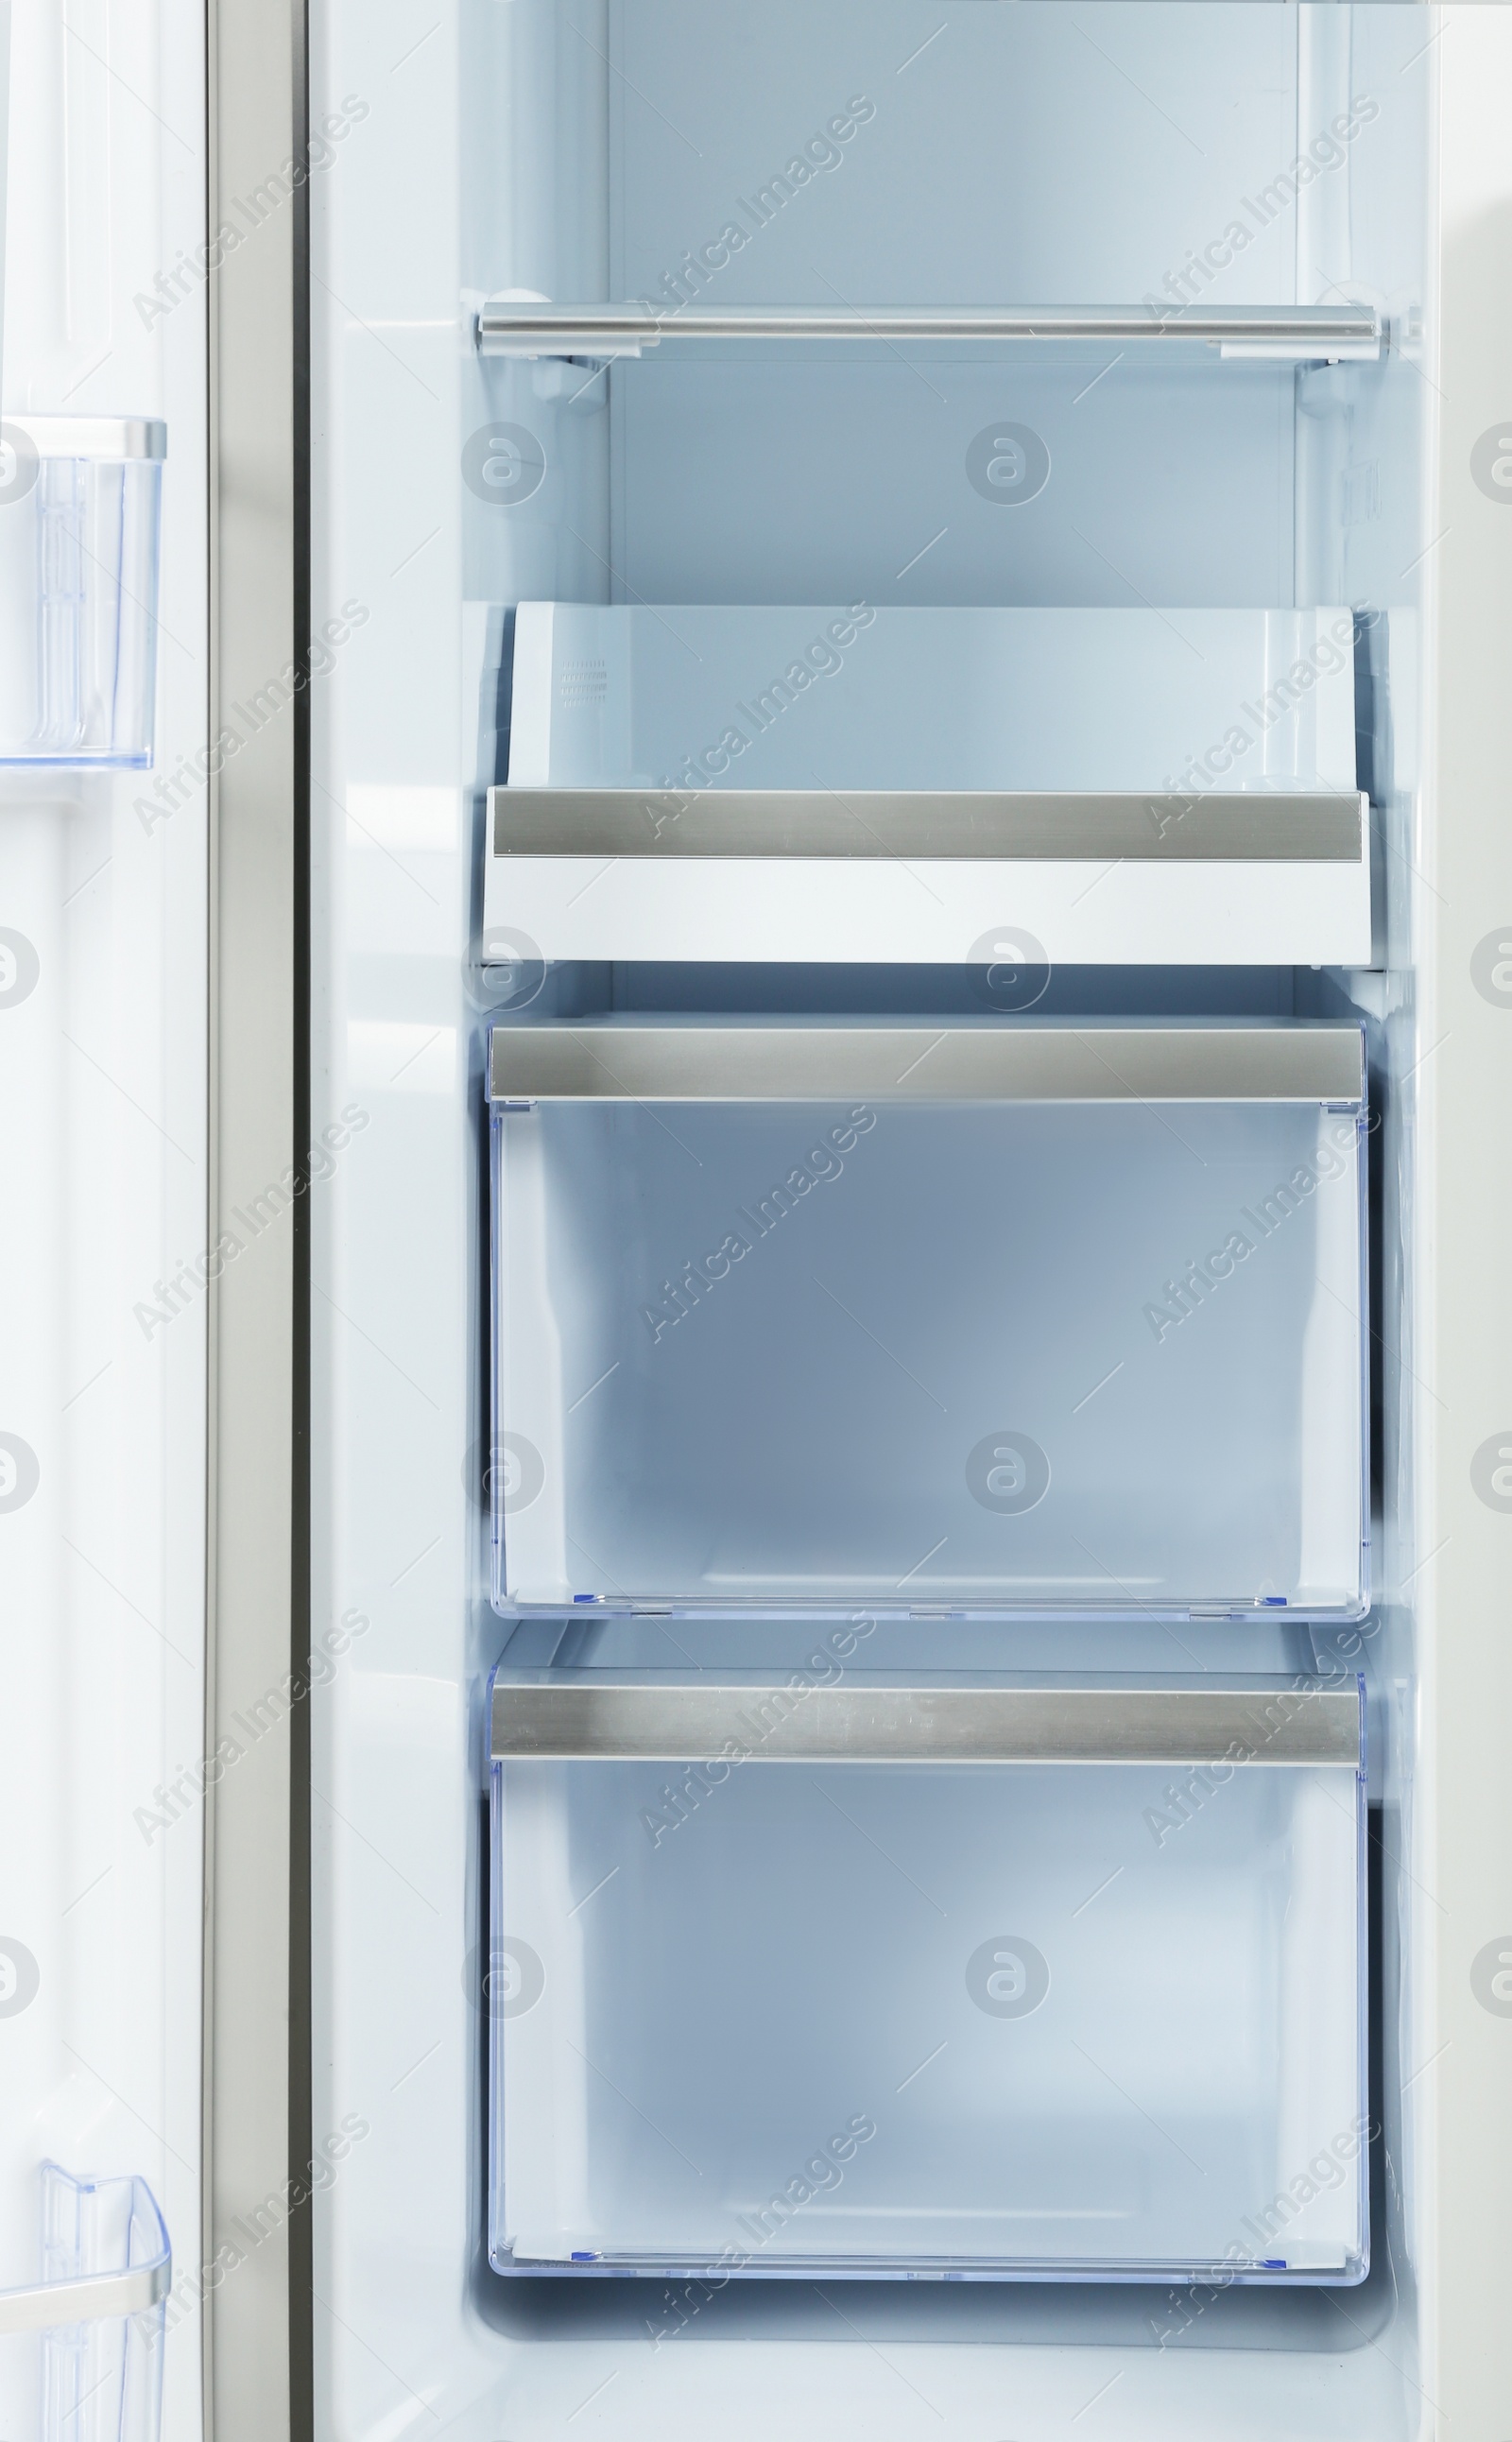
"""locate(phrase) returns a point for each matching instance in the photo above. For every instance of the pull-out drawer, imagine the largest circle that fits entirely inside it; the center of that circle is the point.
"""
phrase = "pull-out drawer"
(843, 783)
(1003, 1318)
(980, 1979)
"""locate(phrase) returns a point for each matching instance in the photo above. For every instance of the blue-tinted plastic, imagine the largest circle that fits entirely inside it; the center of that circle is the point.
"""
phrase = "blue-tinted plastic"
(1047, 2021)
(1084, 1358)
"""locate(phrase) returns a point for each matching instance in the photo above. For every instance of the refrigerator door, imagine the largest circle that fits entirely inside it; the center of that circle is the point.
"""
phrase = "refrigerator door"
(105, 1091)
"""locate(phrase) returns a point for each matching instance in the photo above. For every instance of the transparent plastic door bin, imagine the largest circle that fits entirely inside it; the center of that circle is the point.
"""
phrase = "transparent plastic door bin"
(980, 1979)
(94, 2370)
(1011, 1317)
(80, 503)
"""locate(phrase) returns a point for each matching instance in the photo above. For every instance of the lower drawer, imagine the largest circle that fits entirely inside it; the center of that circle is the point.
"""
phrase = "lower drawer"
(979, 1981)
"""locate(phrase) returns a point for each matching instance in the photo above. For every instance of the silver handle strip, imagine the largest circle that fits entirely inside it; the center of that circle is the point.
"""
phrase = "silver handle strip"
(986, 1725)
(1020, 1062)
(1313, 827)
(101, 2297)
(506, 326)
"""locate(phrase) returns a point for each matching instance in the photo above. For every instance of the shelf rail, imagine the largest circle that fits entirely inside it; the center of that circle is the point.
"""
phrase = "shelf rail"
(513, 327)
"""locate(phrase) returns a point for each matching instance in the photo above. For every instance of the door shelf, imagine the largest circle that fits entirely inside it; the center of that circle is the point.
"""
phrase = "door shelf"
(78, 550)
(924, 784)
(1011, 1318)
(1093, 2007)
(100, 2309)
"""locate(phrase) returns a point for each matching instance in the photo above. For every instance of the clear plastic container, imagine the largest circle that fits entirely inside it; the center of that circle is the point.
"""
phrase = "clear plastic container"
(79, 513)
(1008, 1319)
(81, 2353)
(769, 782)
(1000, 2006)
(756, 696)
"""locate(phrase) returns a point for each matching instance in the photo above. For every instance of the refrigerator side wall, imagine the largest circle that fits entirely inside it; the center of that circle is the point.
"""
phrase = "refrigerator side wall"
(1462, 1902)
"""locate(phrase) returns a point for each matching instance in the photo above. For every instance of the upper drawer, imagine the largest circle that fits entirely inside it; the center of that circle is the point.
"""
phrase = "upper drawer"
(814, 782)
(1005, 1317)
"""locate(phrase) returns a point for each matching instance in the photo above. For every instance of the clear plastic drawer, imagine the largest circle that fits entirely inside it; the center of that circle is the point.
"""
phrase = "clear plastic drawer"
(824, 1972)
(80, 507)
(1004, 1318)
(842, 783)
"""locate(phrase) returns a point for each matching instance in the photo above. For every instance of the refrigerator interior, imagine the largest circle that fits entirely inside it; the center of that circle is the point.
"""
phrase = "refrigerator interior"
(1035, 156)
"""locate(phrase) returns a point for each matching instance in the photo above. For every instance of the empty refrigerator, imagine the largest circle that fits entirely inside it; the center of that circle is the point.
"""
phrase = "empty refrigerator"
(1134, 744)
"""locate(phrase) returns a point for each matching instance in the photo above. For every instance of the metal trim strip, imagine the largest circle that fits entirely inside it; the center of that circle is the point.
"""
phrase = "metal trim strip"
(509, 325)
(620, 1062)
(101, 2297)
(1313, 827)
(626, 1722)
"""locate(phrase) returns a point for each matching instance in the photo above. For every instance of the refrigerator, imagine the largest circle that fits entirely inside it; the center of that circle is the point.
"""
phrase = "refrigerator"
(754, 990)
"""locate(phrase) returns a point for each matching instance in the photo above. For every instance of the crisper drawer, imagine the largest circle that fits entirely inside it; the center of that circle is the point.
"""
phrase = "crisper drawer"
(983, 1979)
(1000, 1317)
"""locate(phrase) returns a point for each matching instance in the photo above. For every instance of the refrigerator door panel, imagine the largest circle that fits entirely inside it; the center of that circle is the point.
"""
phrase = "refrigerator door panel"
(106, 1083)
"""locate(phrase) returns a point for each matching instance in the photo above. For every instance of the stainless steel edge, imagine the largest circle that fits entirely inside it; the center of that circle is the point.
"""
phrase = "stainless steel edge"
(921, 1062)
(254, 109)
(1315, 827)
(93, 436)
(903, 1725)
(505, 324)
(101, 2297)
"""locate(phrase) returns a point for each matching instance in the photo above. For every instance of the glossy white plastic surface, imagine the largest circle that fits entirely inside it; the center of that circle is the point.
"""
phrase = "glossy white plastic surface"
(104, 1102)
